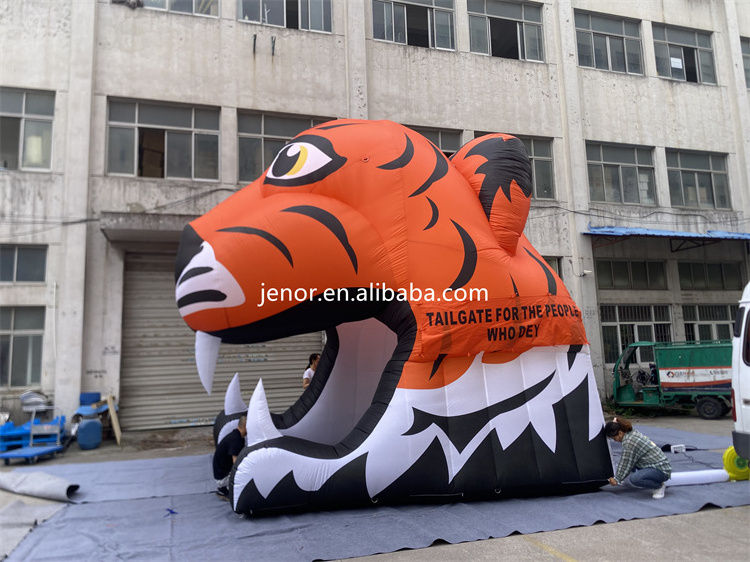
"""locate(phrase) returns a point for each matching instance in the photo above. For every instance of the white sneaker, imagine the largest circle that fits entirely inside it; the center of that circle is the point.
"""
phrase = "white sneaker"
(659, 492)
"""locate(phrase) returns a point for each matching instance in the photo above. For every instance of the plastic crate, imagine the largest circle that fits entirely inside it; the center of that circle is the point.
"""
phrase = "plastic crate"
(16, 436)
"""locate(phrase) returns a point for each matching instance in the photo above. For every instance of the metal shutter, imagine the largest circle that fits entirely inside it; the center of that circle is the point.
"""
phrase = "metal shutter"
(159, 385)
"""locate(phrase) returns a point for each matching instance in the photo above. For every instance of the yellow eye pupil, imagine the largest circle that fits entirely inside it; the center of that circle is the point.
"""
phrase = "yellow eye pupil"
(301, 159)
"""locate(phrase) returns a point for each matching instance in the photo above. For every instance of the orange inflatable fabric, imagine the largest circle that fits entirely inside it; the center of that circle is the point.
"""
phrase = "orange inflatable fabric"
(449, 338)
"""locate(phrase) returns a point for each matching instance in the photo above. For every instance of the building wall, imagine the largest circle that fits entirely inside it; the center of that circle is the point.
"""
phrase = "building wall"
(90, 51)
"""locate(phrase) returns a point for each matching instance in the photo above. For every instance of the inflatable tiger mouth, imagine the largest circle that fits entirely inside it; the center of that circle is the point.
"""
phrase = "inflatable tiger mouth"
(456, 363)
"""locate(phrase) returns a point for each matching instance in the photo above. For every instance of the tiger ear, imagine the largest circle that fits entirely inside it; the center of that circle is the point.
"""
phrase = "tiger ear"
(499, 171)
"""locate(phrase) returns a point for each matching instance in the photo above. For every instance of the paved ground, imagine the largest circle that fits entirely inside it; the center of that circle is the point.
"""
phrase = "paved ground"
(711, 534)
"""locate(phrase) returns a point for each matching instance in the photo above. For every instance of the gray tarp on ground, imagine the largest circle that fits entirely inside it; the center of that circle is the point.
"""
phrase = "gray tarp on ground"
(190, 524)
(38, 484)
(17, 519)
(127, 480)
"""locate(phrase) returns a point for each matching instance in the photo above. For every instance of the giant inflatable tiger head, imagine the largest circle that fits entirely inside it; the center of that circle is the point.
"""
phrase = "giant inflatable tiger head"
(450, 340)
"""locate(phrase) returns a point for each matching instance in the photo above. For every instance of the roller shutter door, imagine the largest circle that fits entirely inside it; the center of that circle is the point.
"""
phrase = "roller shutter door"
(159, 385)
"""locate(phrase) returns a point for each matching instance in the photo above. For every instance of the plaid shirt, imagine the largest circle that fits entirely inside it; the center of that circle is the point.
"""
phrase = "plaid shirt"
(638, 451)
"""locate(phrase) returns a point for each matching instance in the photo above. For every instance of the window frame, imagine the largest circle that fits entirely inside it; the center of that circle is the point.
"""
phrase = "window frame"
(521, 28)
(168, 8)
(694, 321)
(136, 125)
(9, 336)
(431, 7)
(529, 143)
(326, 10)
(671, 45)
(587, 17)
(745, 48)
(656, 324)
(717, 168)
(705, 284)
(603, 262)
(6, 249)
(448, 141)
(24, 117)
(639, 163)
(324, 3)
(555, 264)
(264, 136)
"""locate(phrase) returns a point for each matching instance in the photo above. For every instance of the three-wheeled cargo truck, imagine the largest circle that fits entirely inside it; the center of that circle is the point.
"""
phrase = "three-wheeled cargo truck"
(679, 374)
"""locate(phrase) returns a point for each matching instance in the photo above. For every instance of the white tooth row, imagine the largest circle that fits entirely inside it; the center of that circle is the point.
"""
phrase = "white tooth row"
(265, 467)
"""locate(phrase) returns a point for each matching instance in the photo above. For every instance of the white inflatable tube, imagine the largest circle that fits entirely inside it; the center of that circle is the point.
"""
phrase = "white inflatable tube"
(698, 477)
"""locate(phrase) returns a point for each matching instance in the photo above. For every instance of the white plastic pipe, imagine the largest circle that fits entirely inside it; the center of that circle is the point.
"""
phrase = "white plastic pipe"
(698, 477)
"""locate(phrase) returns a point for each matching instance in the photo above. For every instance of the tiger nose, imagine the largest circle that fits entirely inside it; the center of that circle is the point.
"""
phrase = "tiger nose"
(190, 245)
(202, 281)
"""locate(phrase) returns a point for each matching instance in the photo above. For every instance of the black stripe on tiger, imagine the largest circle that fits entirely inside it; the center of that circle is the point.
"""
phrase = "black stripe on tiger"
(201, 296)
(506, 161)
(551, 283)
(436, 364)
(435, 214)
(440, 170)
(402, 160)
(331, 223)
(470, 259)
(266, 236)
(463, 428)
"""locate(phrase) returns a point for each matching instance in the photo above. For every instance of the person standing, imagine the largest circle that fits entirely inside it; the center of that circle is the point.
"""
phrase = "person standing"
(645, 463)
(310, 371)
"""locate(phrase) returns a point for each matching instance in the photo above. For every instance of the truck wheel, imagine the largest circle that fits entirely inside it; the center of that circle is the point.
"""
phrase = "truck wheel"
(709, 408)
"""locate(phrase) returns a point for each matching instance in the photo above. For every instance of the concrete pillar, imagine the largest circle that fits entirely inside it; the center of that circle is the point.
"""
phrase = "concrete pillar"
(575, 180)
(70, 297)
(355, 36)
(740, 110)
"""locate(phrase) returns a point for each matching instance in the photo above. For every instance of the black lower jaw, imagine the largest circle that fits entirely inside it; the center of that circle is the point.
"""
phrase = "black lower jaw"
(306, 317)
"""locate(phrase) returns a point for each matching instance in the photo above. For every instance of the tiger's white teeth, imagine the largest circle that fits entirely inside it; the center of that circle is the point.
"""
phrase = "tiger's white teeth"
(259, 424)
(233, 403)
(206, 357)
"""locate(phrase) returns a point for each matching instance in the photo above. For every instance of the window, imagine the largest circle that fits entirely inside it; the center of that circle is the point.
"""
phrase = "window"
(554, 264)
(197, 7)
(21, 333)
(620, 174)
(422, 23)
(312, 15)
(698, 179)
(261, 137)
(26, 129)
(609, 43)
(23, 264)
(446, 140)
(684, 54)
(625, 324)
(708, 322)
(710, 276)
(508, 30)
(629, 274)
(152, 140)
(540, 154)
(745, 44)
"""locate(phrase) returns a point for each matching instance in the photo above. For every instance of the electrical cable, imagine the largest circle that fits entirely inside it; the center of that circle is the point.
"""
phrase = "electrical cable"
(53, 223)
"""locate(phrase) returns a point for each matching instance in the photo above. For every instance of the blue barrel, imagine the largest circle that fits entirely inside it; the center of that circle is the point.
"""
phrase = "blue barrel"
(89, 434)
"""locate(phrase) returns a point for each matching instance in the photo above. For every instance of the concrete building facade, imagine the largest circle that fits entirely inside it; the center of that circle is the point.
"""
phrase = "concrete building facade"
(121, 120)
